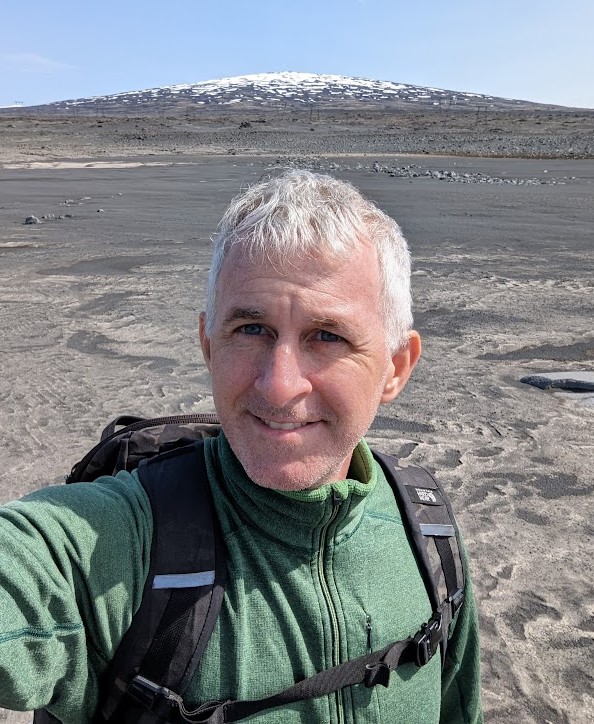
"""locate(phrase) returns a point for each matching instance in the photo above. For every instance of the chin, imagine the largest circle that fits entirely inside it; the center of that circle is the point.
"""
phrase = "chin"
(288, 485)
(284, 468)
(291, 480)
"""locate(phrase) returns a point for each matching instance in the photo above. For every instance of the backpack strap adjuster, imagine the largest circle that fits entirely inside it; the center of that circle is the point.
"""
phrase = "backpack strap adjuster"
(151, 695)
(377, 674)
(428, 639)
(456, 600)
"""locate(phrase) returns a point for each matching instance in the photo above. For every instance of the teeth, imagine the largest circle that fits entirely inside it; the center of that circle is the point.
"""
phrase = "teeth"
(284, 425)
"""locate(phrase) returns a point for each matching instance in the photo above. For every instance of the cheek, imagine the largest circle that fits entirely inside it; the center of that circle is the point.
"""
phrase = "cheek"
(366, 390)
(231, 373)
(350, 392)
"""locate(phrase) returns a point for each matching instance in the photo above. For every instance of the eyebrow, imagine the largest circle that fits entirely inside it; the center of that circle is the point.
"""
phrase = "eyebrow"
(238, 313)
(327, 323)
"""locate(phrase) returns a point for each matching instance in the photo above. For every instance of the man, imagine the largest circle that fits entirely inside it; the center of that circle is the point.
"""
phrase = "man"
(306, 332)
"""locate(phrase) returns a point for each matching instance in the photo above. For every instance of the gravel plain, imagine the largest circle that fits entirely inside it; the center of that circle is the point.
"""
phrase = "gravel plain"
(507, 134)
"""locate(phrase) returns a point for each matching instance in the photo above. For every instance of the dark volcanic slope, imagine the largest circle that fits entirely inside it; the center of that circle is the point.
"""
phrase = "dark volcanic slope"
(282, 91)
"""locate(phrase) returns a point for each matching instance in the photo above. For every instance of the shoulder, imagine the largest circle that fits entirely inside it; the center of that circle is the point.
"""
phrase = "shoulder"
(107, 507)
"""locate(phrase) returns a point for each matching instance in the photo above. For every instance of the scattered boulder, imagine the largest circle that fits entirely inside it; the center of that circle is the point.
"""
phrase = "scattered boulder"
(412, 171)
(577, 386)
(32, 220)
(573, 381)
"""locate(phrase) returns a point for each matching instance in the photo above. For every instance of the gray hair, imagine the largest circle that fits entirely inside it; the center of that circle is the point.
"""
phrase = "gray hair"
(301, 214)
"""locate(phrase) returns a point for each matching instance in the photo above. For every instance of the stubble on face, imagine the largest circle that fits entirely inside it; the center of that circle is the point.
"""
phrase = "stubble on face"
(266, 464)
(277, 355)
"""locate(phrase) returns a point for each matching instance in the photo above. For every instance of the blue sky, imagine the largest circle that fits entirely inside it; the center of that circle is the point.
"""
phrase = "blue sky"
(540, 50)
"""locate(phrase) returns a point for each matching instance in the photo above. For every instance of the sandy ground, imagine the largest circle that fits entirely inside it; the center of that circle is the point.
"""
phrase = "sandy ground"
(98, 317)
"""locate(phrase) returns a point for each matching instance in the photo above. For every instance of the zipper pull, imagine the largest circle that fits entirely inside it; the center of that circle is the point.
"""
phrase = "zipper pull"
(340, 493)
(368, 628)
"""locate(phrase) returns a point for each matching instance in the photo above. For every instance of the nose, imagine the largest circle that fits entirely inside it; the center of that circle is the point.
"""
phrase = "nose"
(282, 378)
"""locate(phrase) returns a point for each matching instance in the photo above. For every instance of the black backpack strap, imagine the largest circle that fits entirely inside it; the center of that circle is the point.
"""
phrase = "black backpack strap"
(434, 537)
(41, 716)
(118, 422)
(183, 592)
(372, 669)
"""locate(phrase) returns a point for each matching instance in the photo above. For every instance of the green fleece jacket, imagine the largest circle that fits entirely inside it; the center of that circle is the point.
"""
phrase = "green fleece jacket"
(315, 578)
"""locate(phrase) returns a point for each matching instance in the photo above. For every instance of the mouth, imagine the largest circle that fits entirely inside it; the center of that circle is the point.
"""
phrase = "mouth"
(284, 425)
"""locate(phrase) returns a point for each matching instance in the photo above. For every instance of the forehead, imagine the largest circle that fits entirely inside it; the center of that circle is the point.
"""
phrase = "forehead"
(349, 281)
(360, 259)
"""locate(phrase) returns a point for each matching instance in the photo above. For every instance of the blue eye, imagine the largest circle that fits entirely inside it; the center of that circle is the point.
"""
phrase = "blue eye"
(325, 336)
(253, 329)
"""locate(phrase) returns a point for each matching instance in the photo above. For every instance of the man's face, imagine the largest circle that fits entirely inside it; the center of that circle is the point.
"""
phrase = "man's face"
(299, 364)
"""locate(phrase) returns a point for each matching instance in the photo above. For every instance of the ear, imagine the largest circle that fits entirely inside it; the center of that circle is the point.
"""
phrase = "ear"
(204, 340)
(401, 365)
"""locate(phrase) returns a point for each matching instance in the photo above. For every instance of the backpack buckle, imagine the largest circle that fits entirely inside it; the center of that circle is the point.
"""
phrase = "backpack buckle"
(428, 639)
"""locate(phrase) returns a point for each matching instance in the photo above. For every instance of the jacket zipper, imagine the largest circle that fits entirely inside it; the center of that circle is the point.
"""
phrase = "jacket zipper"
(336, 500)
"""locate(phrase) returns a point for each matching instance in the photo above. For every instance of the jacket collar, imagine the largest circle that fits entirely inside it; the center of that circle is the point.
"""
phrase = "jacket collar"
(291, 517)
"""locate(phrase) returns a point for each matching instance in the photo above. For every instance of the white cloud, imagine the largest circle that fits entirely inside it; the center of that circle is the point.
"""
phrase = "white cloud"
(31, 63)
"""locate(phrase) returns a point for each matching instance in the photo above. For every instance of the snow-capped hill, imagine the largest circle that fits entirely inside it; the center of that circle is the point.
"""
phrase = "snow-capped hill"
(285, 90)
(308, 88)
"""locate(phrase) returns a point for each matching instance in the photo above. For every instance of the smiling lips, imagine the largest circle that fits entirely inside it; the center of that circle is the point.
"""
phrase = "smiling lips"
(284, 425)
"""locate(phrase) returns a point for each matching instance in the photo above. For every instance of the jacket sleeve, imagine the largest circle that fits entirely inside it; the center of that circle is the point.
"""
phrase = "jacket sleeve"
(461, 694)
(68, 591)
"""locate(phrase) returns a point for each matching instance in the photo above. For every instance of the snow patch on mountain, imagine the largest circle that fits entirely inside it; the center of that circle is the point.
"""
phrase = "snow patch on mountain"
(272, 89)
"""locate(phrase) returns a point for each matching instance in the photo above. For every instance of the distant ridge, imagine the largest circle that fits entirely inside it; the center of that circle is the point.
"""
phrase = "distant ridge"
(284, 90)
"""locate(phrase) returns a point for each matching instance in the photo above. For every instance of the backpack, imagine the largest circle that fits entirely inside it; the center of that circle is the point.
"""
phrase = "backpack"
(184, 590)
